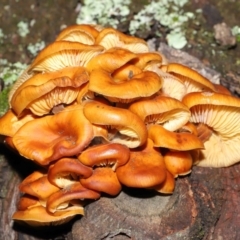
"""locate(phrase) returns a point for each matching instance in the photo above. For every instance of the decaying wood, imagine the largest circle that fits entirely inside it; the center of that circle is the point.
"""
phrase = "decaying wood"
(205, 204)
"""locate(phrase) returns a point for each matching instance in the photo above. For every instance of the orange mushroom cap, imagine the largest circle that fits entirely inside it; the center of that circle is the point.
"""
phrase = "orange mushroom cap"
(219, 115)
(184, 141)
(69, 33)
(10, 123)
(167, 186)
(111, 155)
(144, 84)
(109, 38)
(67, 171)
(62, 199)
(103, 179)
(166, 111)
(61, 54)
(131, 130)
(143, 60)
(37, 185)
(27, 201)
(194, 81)
(49, 138)
(39, 216)
(82, 33)
(110, 60)
(178, 163)
(144, 169)
(43, 91)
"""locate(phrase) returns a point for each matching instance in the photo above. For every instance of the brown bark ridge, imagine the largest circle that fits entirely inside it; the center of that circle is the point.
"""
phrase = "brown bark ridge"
(203, 206)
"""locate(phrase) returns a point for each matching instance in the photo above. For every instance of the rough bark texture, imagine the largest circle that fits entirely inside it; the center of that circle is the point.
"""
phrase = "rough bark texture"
(203, 206)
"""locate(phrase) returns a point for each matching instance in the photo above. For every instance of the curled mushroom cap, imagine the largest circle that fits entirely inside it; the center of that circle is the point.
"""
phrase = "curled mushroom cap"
(103, 179)
(82, 33)
(39, 216)
(87, 28)
(21, 79)
(184, 141)
(27, 201)
(10, 123)
(178, 162)
(130, 129)
(144, 84)
(217, 116)
(109, 38)
(168, 112)
(125, 73)
(144, 169)
(37, 185)
(111, 155)
(67, 171)
(62, 199)
(194, 81)
(49, 138)
(144, 60)
(43, 91)
(167, 186)
(61, 54)
(172, 86)
(110, 60)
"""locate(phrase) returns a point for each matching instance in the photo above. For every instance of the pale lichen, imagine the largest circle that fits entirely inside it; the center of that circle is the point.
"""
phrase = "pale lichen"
(23, 28)
(106, 13)
(170, 14)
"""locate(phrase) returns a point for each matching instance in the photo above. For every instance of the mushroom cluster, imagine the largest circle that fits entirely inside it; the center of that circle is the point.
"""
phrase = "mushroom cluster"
(98, 110)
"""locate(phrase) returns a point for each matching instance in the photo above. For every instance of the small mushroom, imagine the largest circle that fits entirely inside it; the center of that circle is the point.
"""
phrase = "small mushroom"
(37, 185)
(193, 81)
(144, 84)
(103, 179)
(167, 186)
(111, 155)
(43, 91)
(61, 200)
(10, 123)
(178, 162)
(110, 60)
(61, 54)
(130, 129)
(144, 169)
(109, 38)
(166, 111)
(183, 141)
(67, 171)
(49, 138)
(217, 118)
(82, 33)
(39, 216)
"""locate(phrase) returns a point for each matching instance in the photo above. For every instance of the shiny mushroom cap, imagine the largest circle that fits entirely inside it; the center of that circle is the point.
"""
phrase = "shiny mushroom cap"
(217, 117)
(166, 111)
(111, 155)
(110, 60)
(144, 169)
(182, 141)
(109, 38)
(126, 127)
(57, 139)
(43, 91)
(82, 33)
(39, 216)
(67, 171)
(144, 84)
(193, 81)
(61, 54)
(10, 123)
